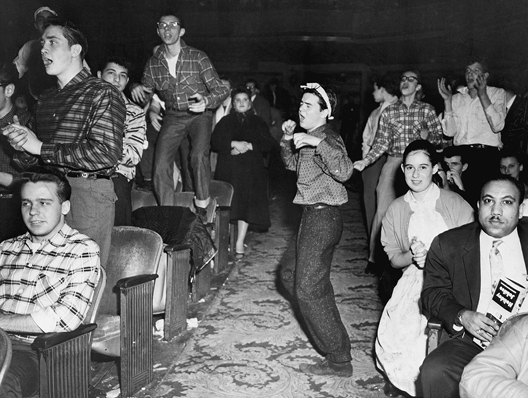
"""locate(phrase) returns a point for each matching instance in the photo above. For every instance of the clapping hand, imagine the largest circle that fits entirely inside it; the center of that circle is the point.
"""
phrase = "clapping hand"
(419, 252)
(21, 138)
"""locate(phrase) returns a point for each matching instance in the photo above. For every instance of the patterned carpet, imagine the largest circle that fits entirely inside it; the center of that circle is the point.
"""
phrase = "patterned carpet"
(250, 344)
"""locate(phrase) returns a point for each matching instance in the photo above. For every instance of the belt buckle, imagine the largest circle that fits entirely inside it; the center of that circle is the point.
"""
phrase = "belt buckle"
(88, 176)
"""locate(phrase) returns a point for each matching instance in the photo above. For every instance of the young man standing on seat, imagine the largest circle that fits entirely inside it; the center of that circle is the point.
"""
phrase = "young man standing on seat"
(320, 159)
(185, 79)
(80, 125)
(48, 276)
(115, 70)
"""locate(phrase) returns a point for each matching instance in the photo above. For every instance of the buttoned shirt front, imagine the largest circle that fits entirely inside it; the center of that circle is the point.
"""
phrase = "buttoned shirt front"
(54, 282)
(399, 125)
(321, 170)
(470, 124)
(194, 74)
(80, 125)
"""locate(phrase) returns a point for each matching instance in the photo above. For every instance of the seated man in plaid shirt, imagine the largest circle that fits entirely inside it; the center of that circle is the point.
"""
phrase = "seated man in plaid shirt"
(47, 276)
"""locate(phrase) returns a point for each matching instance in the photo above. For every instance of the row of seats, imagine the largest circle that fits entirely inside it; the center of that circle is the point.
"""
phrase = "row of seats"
(120, 321)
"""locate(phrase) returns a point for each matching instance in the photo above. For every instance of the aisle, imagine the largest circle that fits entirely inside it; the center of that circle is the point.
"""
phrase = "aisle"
(250, 344)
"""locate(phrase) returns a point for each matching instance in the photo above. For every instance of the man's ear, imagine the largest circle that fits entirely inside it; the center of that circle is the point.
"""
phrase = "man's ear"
(65, 207)
(9, 90)
(521, 210)
(99, 74)
(486, 75)
(464, 167)
(76, 50)
(521, 167)
(182, 32)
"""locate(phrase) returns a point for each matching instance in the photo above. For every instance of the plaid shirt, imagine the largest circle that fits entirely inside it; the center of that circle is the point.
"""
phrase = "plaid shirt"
(321, 170)
(194, 74)
(81, 126)
(53, 283)
(400, 125)
(6, 150)
(135, 140)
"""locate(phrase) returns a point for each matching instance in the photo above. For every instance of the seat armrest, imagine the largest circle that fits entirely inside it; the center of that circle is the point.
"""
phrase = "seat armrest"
(175, 247)
(135, 280)
(434, 330)
(45, 341)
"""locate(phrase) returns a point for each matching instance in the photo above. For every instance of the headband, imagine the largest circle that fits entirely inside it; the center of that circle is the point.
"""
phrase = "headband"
(317, 87)
(42, 9)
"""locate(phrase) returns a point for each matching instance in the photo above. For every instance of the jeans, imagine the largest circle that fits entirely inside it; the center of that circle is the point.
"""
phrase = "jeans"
(93, 211)
(176, 126)
(147, 160)
(305, 274)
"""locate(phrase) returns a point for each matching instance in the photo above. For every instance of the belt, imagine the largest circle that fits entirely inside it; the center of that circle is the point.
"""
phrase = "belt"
(88, 176)
(481, 146)
(317, 206)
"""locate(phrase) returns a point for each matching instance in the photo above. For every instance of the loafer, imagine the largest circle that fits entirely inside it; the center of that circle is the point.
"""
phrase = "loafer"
(328, 368)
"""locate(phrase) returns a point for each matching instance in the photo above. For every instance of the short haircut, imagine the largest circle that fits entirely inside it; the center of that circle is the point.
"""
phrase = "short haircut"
(48, 174)
(8, 74)
(503, 177)
(416, 72)
(240, 90)
(388, 82)
(332, 98)
(173, 13)
(421, 146)
(118, 59)
(474, 59)
(454, 150)
(511, 153)
(72, 34)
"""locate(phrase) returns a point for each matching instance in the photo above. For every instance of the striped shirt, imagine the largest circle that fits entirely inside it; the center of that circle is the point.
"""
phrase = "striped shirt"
(54, 282)
(81, 126)
(400, 125)
(134, 140)
(321, 170)
(194, 74)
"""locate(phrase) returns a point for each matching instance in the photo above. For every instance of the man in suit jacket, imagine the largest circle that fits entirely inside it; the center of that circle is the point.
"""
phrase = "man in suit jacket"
(261, 106)
(460, 274)
(515, 132)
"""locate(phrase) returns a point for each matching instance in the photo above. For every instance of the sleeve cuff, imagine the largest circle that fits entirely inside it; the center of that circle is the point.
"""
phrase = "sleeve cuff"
(45, 319)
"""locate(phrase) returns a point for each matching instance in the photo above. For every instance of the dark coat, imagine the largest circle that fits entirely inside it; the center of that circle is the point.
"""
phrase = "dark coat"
(246, 172)
(452, 272)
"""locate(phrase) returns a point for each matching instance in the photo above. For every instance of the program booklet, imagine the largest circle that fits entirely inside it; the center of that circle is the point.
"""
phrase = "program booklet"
(506, 302)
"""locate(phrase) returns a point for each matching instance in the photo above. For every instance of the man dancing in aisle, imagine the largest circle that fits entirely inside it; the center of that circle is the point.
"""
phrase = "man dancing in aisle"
(320, 159)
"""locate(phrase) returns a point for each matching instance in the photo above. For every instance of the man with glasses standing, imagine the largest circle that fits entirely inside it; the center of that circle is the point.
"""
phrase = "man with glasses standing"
(400, 124)
(474, 118)
(185, 79)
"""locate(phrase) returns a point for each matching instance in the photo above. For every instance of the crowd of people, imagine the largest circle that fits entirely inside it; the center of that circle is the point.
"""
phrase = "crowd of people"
(443, 196)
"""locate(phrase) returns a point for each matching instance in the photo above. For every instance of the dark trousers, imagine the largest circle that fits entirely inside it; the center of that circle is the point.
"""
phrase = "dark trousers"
(305, 273)
(22, 377)
(442, 369)
(123, 206)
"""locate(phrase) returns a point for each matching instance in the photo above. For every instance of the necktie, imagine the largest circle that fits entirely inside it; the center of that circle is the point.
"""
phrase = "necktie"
(496, 266)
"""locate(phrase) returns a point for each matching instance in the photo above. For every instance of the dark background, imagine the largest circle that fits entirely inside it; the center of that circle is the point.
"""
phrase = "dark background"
(342, 42)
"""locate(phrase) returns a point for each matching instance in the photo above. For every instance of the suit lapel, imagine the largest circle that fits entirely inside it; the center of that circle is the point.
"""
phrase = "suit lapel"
(523, 237)
(471, 263)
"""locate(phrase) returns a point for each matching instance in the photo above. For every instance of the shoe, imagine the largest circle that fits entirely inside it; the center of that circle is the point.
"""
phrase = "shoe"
(328, 368)
(239, 256)
(206, 214)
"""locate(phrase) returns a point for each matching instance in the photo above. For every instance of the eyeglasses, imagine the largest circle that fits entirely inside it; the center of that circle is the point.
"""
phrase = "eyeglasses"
(411, 79)
(170, 25)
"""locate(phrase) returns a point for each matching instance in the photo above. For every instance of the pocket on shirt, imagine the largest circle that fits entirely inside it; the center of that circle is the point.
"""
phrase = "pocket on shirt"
(47, 290)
